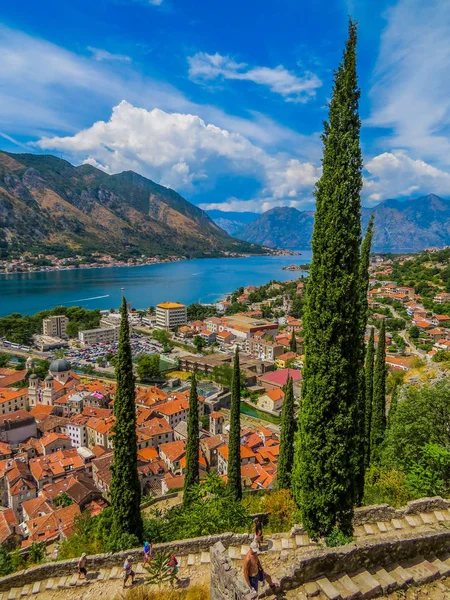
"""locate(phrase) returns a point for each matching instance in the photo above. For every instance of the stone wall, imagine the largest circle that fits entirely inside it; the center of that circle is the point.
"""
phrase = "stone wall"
(313, 564)
(365, 554)
(98, 561)
(384, 512)
(227, 583)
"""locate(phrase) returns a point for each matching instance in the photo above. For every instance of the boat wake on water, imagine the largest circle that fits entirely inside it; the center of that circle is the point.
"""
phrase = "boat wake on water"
(85, 299)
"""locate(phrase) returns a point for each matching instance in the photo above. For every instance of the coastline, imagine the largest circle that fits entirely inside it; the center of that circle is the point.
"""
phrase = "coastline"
(57, 268)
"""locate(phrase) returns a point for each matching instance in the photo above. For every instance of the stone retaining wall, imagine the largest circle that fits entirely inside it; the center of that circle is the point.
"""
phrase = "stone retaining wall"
(384, 512)
(316, 561)
(364, 554)
(99, 561)
(227, 583)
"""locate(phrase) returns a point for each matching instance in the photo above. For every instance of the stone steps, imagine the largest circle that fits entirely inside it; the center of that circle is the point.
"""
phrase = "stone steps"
(285, 546)
(365, 584)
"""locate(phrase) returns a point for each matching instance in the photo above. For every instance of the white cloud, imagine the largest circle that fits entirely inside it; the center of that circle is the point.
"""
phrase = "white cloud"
(258, 205)
(43, 91)
(233, 204)
(411, 91)
(203, 66)
(101, 55)
(183, 152)
(395, 174)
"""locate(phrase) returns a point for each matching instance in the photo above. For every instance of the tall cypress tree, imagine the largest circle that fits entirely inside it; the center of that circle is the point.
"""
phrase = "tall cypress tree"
(326, 457)
(370, 355)
(379, 395)
(394, 404)
(234, 442)
(286, 458)
(125, 485)
(293, 342)
(362, 318)
(191, 475)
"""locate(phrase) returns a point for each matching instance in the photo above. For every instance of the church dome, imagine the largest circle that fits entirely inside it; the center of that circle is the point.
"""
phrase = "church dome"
(33, 376)
(49, 378)
(59, 366)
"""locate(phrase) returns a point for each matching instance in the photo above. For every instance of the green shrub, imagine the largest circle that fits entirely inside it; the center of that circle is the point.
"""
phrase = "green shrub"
(337, 538)
(430, 476)
(36, 553)
(281, 508)
(385, 486)
(6, 565)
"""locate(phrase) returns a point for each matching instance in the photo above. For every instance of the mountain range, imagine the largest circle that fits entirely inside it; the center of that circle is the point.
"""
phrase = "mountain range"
(400, 225)
(48, 205)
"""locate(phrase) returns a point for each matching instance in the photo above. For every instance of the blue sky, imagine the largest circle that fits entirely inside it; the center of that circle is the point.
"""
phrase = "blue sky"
(224, 101)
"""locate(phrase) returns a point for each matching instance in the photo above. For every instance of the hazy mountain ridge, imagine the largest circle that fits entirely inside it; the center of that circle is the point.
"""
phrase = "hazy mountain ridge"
(49, 204)
(232, 222)
(409, 225)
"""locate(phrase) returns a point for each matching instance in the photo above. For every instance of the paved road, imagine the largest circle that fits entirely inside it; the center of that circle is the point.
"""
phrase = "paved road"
(406, 338)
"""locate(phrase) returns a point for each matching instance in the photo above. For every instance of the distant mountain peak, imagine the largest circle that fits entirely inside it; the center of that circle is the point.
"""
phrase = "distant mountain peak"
(400, 226)
(47, 204)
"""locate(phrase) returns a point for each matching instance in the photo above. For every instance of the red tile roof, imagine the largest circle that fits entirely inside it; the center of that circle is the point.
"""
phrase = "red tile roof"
(173, 450)
(280, 377)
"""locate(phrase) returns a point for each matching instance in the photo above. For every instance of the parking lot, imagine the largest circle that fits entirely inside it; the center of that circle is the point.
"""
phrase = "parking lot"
(90, 354)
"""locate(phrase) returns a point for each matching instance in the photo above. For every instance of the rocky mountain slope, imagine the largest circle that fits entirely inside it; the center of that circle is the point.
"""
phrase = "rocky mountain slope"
(232, 222)
(400, 226)
(280, 227)
(48, 205)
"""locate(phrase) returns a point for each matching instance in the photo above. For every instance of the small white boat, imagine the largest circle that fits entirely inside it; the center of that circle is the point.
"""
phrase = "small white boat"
(122, 288)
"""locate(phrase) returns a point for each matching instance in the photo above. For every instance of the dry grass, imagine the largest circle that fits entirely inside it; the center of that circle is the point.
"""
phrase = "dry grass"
(194, 592)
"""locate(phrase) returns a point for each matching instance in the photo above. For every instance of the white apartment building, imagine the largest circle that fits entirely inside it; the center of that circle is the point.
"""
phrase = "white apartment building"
(55, 326)
(442, 298)
(96, 336)
(170, 315)
(77, 431)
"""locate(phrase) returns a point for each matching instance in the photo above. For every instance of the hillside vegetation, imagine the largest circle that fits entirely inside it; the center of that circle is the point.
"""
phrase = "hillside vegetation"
(49, 206)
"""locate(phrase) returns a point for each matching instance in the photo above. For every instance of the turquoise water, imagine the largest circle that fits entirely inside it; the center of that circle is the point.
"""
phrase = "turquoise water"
(201, 280)
(252, 411)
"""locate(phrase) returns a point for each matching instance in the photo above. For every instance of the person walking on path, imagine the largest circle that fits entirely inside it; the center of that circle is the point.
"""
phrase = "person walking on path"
(253, 571)
(56, 552)
(82, 566)
(258, 531)
(147, 553)
(128, 571)
(173, 569)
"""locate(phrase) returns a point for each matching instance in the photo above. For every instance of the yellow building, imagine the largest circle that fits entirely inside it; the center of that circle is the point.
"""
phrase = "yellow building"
(283, 360)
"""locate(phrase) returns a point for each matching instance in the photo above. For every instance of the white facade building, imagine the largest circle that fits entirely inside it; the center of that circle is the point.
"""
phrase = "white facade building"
(96, 336)
(170, 315)
(55, 326)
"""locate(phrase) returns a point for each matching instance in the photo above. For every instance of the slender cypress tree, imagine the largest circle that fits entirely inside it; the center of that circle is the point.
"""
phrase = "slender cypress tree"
(393, 406)
(293, 342)
(326, 458)
(191, 475)
(379, 395)
(370, 355)
(234, 443)
(125, 485)
(286, 458)
(362, 318)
